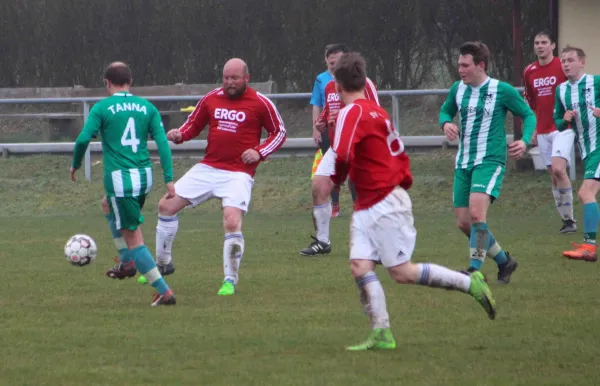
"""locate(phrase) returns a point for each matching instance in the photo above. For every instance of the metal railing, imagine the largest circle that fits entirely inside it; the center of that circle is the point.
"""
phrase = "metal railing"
(295, 146)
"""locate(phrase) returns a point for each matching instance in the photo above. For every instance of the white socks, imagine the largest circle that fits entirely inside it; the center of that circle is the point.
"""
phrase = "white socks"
(165, 234)
(563, 199)
(372, 298)
(433, 275)
(322, 217)
(233, 247)
(233, 250)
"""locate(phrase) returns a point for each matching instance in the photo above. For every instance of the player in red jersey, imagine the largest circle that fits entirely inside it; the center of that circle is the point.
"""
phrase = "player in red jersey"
(334, 104)
(371, 151)
(541, 78)
(321, 186)
(235, 115)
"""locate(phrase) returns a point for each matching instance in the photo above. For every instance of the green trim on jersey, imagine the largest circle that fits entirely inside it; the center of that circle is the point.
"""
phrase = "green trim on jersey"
(581, 97)
(125, 121)
(482, 113)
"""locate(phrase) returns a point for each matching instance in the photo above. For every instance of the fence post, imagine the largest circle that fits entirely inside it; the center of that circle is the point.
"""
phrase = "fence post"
(396, 113)
(88, 158)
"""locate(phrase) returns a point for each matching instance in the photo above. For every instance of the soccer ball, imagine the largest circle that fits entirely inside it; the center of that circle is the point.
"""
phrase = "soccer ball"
(81, 250)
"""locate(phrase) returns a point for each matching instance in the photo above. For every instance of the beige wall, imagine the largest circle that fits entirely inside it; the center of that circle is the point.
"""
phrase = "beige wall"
(579, 25)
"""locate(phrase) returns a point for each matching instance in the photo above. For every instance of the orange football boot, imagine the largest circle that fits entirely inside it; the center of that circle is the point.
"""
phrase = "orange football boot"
(586, 252)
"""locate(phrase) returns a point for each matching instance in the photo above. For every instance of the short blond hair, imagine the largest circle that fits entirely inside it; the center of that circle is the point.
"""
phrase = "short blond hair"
(579, 51)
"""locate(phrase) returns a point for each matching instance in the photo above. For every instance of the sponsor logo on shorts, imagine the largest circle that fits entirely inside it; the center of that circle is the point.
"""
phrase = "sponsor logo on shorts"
(479, 186)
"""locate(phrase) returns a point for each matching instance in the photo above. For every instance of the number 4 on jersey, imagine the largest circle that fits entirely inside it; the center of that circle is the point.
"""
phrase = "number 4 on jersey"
(129, 138)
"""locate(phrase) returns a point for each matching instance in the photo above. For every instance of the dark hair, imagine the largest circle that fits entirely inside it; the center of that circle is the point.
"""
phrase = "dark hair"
(331, 49)
(351, 71)
(479, 51)
(579, 51)
(547, 33)
(118, 73)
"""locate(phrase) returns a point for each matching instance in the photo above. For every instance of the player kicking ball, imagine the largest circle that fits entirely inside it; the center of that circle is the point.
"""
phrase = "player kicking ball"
(371, 153)
(124, 121)
(235, 115)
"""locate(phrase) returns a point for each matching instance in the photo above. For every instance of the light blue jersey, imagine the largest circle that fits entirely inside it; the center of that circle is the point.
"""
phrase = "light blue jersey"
(318, 94)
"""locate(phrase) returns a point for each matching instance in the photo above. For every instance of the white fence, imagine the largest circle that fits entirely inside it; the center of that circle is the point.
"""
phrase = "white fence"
(292, 147)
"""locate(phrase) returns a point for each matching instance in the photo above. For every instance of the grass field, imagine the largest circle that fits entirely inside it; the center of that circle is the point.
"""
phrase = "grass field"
(292, 316)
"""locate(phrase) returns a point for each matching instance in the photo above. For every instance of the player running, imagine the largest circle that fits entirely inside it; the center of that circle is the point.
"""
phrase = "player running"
(382, 228)
(578, 105)
(322, 185)
(124, 121)
(235, 115)
(482, 103)
(541, 79)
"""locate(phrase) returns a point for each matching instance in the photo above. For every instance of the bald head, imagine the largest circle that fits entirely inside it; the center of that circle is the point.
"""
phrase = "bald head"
(235, 77)
(118, 74)
(117, 64)
(236, 65)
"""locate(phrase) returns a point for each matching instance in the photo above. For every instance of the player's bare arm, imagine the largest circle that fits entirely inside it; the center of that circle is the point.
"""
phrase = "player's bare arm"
(316, 113)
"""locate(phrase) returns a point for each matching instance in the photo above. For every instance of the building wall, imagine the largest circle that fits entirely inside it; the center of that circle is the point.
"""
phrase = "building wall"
(579, 25)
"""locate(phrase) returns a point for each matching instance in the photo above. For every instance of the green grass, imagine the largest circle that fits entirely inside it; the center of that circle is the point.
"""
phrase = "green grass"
(62, 325)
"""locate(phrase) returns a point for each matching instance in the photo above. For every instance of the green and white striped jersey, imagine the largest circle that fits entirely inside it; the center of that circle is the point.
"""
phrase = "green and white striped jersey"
(482, 112)
(124, 122)
(580, 97)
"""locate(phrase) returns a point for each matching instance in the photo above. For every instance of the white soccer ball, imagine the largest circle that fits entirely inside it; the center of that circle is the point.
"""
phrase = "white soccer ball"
(81, 250)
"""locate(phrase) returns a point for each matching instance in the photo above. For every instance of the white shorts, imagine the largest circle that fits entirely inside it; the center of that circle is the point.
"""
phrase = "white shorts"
(556, 144)
(385, 232)
(327, 165)
(202, 182)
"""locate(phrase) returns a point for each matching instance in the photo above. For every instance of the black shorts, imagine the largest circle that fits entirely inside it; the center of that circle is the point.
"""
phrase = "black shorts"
(325, 143)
